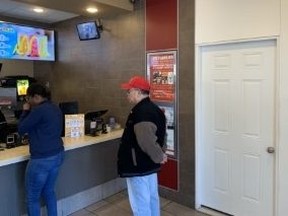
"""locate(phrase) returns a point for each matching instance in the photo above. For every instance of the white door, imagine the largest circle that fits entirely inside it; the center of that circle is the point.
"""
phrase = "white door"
(237, 86)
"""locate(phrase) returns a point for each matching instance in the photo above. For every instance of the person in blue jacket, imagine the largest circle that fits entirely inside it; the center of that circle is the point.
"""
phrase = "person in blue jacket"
(142, 148)
(41, 120)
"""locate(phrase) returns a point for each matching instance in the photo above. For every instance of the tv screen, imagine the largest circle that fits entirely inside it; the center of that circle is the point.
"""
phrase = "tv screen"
(88, 31)
(25, 42)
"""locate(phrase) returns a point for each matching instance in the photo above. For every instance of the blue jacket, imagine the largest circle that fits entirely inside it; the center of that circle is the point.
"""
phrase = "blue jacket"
(43, 124)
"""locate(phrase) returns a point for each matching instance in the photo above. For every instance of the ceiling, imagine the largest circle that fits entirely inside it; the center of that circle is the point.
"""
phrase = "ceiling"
(60, 10)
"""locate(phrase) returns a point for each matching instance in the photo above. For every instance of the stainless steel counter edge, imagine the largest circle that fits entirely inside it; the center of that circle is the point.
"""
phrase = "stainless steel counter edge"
(21, 153)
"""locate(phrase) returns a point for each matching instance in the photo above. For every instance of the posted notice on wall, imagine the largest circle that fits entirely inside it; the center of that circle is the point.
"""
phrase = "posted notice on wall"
(170, 129)
(161, 73)
(74, 125)
(161, 70)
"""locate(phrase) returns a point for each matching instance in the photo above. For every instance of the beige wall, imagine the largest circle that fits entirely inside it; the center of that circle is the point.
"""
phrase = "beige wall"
(222, 20)
(217, 22)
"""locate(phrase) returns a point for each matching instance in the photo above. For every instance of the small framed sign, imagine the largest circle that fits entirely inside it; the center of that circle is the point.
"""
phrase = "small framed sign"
(74, 125)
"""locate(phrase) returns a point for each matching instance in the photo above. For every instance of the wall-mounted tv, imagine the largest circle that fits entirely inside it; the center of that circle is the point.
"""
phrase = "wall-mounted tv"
(88, 30)
(25, 42)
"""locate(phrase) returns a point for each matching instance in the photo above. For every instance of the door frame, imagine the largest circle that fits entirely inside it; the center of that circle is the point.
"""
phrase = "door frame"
(198, 121)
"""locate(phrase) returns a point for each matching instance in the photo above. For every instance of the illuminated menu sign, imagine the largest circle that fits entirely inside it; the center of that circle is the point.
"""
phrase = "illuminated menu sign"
(22, 86)
(24, 42)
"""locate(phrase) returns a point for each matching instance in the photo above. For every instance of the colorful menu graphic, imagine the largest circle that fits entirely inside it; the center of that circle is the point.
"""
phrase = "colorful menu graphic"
(22, 86)
(23, 42)
(161, 70)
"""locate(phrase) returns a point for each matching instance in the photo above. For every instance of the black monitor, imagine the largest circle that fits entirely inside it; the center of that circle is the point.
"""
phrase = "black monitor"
(95, 115)
(67, 108)
(70, 107)
(88, 30)
(3, 126)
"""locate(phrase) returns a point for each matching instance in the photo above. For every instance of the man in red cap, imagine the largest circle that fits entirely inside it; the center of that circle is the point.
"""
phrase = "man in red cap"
(142, 147)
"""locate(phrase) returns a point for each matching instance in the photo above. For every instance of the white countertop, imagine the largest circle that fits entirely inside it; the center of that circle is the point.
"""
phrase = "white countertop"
(21, 153)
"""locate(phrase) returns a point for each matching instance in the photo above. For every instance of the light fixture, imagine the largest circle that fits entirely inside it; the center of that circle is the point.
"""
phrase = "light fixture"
(92, 10)
(38, 10)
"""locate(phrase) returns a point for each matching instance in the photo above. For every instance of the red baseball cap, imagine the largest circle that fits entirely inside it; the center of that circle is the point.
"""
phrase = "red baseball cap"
(136, 82)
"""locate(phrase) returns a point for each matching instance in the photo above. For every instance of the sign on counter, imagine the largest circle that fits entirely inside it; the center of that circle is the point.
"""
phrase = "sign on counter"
(74, 125)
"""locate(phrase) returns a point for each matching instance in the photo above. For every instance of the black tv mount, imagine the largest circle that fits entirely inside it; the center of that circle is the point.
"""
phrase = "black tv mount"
(99, 24)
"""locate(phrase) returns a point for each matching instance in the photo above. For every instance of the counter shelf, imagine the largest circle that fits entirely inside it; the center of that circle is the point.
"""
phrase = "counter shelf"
(21, 153)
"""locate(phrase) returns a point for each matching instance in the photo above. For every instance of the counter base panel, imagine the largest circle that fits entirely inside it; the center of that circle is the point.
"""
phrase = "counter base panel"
(88, 175)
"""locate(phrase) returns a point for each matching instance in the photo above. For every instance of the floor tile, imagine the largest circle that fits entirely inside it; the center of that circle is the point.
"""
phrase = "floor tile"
(116, 197)
(118, 205)
(110, 210)
(179, 210)
(96, 206)
(124, 204)
(164, 202)
(164, 213)
(82, 212)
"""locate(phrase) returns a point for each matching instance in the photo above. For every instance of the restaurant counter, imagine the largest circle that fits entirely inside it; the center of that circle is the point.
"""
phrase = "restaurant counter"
(88, 174)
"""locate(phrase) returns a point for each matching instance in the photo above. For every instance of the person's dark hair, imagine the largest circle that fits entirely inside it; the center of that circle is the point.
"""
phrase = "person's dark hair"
(38, 89)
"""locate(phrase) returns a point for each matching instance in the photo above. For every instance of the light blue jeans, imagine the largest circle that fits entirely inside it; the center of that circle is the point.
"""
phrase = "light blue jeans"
(40, 178)
(143, 195)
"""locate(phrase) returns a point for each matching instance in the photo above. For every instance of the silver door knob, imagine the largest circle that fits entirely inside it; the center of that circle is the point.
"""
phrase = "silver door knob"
(270, 150)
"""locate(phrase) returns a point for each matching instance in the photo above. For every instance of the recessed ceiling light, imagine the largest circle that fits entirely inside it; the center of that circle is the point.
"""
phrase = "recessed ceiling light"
(38, 10)
(92, 10)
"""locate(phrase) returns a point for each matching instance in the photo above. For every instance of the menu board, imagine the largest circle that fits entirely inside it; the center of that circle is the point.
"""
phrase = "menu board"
(74, 125)
(25, 42)
(22, 86)
(161, 70)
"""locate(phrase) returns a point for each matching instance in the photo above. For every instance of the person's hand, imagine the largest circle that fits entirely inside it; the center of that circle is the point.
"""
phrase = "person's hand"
(165, 158)
(26, 106)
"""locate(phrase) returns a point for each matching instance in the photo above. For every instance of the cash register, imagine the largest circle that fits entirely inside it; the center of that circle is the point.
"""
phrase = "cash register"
(94, 123)
(8, 134)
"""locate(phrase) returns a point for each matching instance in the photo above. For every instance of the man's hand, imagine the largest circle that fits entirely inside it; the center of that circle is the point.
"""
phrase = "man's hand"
(165, 158)
(26, 106)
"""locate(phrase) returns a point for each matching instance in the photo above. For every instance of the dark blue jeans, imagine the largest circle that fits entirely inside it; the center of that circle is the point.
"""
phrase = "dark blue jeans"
(40, 179)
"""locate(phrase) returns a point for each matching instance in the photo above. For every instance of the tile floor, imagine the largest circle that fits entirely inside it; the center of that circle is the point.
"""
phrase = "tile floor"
(118, 205)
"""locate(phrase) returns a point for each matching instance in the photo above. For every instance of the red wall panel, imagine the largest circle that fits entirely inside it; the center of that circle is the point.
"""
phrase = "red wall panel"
(161, 24)
(168, 176)
(161, 34)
